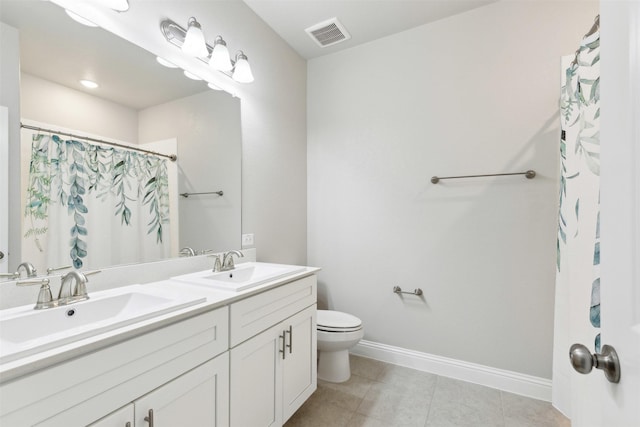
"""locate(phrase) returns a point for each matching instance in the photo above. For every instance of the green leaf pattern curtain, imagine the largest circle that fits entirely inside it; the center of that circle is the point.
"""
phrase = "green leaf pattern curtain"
(578, 244)
(90, 205)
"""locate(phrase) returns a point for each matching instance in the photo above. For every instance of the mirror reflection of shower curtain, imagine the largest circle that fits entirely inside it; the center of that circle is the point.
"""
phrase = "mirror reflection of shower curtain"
(91, 206)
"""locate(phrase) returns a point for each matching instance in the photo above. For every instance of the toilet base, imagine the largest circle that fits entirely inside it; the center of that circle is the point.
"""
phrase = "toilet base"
(333, 366)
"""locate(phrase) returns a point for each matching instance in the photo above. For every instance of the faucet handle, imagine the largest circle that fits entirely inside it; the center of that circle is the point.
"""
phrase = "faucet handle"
(10, 275)
(52, 269)
(217, 264)
(45, 299)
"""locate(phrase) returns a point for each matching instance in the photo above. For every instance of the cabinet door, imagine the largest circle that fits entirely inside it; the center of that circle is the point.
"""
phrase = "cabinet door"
(197, 398)
(299, 373)
(256, 385)
(123, 417)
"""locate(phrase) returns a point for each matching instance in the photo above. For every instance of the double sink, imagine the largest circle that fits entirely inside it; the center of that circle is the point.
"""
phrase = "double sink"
(25, 332)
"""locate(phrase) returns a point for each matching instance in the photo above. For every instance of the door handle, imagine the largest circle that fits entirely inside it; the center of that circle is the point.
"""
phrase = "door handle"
(583, 361)
(284, 345)
(149, 418)
(290, 345)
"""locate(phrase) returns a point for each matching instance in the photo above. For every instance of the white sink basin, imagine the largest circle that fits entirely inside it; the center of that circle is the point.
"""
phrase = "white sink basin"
(24, 331)
(243, 277)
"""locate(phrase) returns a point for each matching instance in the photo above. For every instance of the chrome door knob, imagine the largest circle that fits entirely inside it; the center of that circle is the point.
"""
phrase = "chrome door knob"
(583, 361)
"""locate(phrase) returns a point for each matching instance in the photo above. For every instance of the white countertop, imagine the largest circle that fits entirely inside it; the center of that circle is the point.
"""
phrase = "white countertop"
(215, 298)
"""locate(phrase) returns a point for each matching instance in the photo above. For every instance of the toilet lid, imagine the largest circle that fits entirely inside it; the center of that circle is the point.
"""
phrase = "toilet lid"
(337, 321)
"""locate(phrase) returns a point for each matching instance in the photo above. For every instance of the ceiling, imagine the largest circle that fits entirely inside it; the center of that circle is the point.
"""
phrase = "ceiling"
(365, 20)
(55, 48)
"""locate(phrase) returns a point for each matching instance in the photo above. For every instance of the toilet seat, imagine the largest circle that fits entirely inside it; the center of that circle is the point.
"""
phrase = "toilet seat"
(337, 321)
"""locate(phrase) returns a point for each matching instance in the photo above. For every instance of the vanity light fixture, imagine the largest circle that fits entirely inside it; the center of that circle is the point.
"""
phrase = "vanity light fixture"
(220, 59)
(214, 87)
(194, 43)
(89, 84)
(239, 69)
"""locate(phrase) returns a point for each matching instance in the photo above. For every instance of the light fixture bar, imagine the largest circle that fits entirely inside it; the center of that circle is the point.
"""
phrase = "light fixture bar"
(175, 35)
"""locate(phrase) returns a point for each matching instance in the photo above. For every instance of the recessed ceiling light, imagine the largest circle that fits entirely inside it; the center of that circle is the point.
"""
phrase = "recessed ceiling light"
(191, 75)
(89, 84)
(79, 19)
(166, 63)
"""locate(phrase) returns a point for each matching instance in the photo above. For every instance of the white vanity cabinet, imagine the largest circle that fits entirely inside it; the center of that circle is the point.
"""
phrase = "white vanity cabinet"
(199, 398)
(274, 371)
(123, 417)
(82, 390)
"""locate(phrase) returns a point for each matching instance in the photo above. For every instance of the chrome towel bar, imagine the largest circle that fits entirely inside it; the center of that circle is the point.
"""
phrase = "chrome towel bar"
(398, 290)
(219, 193)
(530, 174)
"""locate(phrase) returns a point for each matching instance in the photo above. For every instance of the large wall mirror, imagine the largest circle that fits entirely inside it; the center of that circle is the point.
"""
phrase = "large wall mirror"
(139, 102)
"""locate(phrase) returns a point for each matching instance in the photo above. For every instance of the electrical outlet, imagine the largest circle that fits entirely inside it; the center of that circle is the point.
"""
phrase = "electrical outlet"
(247, 240)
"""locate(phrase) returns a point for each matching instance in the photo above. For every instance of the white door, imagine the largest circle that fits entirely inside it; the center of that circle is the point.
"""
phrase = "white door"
(619, 404)
(256, 380)
(299, 376)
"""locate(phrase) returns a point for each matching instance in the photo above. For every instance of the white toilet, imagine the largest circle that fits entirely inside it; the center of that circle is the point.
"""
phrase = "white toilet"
(337, 333)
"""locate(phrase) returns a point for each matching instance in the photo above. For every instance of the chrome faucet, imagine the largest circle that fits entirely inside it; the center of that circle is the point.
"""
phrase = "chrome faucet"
(28, 268)
(227, 260)
(187, 251)
(67, 293)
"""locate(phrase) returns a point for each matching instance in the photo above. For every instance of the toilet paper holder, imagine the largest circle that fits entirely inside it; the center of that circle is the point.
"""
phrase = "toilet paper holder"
(398, 290)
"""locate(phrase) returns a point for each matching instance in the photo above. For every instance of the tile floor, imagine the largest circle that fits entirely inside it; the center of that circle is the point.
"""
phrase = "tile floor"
(379, 394)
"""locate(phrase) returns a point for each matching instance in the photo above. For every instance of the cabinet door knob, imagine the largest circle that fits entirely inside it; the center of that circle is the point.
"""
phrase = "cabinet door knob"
(284, 345)
(290, 345)
(149, 418)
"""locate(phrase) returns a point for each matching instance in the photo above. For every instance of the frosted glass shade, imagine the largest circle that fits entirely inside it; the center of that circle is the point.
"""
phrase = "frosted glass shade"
(194, 43)
(220, 59)
(242, 70)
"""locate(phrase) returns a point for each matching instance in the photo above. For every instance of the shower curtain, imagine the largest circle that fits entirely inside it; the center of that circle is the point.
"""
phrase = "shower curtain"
(90, 205)
(578, 245)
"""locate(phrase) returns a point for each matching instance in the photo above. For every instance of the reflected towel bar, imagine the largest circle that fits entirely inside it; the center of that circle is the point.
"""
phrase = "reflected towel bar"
(219, 193)
(530, 174)
(398, 290)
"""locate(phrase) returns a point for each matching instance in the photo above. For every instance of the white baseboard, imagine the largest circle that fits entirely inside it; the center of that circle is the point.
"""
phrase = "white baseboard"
(513, 382)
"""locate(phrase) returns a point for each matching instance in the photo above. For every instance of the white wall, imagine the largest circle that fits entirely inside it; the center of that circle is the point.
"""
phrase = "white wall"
(208, 129)
(475, 93)
(48, 102)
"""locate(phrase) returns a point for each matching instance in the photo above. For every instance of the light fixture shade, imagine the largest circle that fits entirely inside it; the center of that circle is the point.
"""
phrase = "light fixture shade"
(220, 59)
(242, 70)
(194, 43)
(214, 87)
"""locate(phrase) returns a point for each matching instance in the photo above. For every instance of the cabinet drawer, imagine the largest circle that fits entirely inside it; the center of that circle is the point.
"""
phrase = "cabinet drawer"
(255, 314)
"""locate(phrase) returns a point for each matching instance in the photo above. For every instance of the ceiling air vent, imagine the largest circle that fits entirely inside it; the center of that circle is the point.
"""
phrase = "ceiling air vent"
(328, 33)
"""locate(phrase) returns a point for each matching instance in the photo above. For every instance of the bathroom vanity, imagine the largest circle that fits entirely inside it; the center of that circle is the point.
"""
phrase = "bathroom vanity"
(243, 358)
